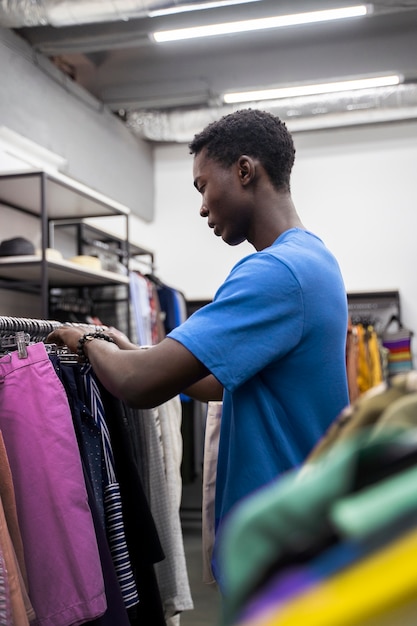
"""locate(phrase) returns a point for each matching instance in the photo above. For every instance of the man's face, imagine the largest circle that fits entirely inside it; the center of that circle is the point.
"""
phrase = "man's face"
(222, 198)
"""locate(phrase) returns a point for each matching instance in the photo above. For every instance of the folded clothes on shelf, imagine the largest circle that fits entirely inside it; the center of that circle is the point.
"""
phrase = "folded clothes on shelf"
(16, 246)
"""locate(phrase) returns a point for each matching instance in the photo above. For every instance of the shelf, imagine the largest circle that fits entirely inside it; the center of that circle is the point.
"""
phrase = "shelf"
(374, 308)
(61, 273)
(103, 239)
(64, 197)
(56, 200)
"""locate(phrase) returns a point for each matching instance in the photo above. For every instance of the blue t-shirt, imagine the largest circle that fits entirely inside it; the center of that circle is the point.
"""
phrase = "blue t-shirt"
(275, 337)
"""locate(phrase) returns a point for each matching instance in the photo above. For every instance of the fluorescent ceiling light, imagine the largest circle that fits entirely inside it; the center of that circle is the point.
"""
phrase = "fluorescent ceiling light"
(311, 90)
(185, 8)
(259, 24)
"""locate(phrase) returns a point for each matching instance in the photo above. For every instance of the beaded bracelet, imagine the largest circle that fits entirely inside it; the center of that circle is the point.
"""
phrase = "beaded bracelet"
(89, 337)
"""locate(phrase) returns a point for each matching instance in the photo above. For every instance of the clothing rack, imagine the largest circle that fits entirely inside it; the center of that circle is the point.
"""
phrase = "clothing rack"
(37, 329)
(18, 332)
(150, 533)
(374, 308)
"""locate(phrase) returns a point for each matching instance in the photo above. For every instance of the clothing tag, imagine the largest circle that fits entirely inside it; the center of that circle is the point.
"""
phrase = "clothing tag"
(21, 345)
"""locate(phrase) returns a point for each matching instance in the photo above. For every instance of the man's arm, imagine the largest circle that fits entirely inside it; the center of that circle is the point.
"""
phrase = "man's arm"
(141, 378)
(206, 389)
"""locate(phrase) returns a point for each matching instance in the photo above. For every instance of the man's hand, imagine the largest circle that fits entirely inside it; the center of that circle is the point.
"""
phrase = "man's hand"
(142, 378)
(120, 339)
(67, 336)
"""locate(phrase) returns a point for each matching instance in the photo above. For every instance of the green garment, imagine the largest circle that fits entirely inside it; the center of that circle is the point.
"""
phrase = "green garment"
(305, 507)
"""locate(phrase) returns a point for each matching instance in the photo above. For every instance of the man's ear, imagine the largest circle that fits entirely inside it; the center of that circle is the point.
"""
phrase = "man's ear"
(246, 169)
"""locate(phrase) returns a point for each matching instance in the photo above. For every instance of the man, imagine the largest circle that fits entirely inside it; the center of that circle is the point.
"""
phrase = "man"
(271, 345)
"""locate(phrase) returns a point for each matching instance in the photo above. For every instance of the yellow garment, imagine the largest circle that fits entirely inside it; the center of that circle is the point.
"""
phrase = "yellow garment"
(369, 359)
(373, 591)
(374, 358)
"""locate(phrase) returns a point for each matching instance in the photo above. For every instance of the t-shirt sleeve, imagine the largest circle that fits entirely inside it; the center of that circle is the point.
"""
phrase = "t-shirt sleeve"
(256, 317)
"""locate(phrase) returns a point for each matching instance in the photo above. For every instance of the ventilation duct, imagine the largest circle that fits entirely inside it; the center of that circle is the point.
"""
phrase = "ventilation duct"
(300, 114)
(26, 13)
(180, 125)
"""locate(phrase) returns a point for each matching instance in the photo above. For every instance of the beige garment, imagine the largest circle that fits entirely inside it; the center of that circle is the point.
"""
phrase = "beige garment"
(366, 412)
(211, 449)
(400, 415)
(172, 572)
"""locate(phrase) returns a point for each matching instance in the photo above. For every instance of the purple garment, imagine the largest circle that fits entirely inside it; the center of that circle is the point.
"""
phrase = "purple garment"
(63, 563)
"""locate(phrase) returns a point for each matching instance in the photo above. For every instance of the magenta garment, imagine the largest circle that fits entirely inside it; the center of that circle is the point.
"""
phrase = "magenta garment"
(63, 563)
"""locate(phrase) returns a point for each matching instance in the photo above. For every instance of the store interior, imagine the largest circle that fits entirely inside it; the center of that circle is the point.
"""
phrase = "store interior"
(95, 121)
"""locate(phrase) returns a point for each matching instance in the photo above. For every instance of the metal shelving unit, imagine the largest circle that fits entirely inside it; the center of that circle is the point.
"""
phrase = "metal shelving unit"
(57, 201)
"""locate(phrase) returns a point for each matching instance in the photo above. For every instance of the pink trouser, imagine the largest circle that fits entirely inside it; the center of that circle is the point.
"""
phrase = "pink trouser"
(62, 559)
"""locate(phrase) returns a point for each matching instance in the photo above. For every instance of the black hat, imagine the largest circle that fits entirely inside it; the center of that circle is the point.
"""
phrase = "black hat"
(16, 246)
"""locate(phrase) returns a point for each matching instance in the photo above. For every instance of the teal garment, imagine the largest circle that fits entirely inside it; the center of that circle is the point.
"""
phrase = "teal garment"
(318, 505)
(275, 337)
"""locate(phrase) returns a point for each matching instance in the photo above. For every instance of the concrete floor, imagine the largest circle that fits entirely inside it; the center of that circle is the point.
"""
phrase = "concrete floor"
(205, 597)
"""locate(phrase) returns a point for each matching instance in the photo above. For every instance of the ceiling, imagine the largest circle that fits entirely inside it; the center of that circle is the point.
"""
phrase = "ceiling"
(166, 92)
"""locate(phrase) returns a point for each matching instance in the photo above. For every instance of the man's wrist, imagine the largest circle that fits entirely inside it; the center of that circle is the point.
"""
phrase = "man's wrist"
(82, 356)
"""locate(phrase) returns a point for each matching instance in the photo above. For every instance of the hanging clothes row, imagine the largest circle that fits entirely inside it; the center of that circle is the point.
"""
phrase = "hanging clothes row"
(158, 308)
(155, 308)
(85, 476)
(373, 357)
(366, 359)
(150, 312)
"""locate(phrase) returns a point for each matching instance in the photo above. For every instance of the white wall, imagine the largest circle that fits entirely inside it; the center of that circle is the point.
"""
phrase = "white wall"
(354, 187)
(44, 106)
(188, 255)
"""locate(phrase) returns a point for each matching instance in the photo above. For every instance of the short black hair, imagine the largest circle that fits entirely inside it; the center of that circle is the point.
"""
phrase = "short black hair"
(256, 133)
